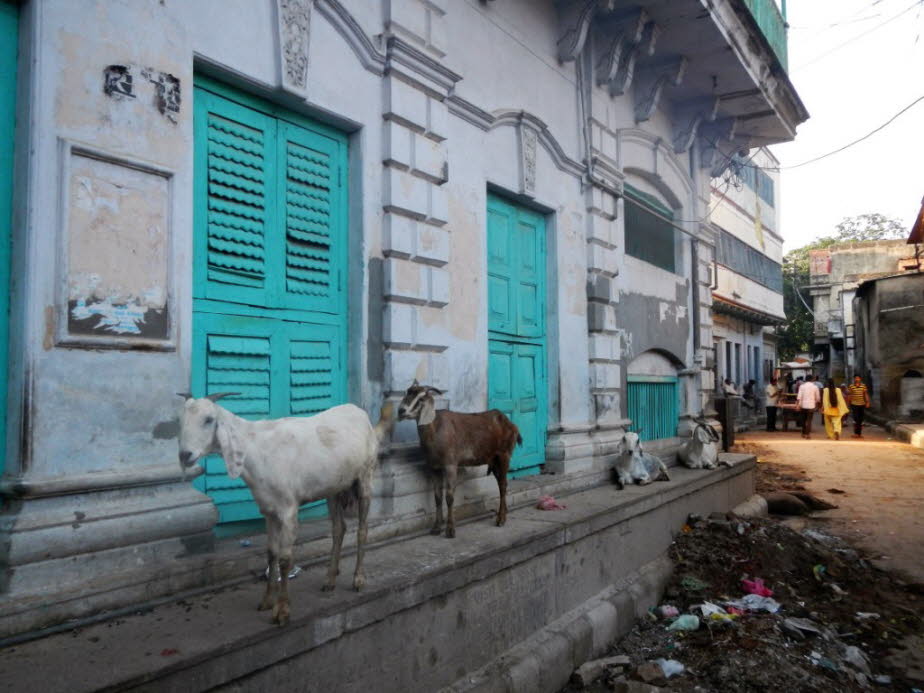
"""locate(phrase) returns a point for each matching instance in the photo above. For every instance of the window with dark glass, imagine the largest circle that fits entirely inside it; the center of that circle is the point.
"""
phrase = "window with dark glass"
(650, 234)
(747, 261)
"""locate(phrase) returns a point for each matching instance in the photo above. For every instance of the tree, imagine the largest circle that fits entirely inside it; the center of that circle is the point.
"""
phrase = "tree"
(869, 227)
(797, 333)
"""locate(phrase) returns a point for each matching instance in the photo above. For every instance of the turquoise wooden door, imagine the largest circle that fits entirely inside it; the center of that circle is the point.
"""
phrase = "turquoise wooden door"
(516, 325)
(653, 406)
(9, 43)
(269, 306)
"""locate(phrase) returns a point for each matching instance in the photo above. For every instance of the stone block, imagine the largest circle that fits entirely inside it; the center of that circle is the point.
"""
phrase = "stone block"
(405, 104)
(400, 236)
(599, 287)
(399, 324)
(600, 318)
(432, 245)
(438, 121)
(430, 159)
(406, 194)
(601, 259)
(439, 205)
(438, 293)
(409, 19)
(401, 368)
(604, 376)
(439, 30)
(404, 281)
(604, 347)
(601, 230)
(602, 202)
(398, 142)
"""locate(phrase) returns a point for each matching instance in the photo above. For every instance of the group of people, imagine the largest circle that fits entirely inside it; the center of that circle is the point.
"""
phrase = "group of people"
(834, 402)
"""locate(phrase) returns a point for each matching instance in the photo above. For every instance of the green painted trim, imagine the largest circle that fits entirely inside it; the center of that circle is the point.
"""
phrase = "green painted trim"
(651, 379)
(649, 200)
(9, 48)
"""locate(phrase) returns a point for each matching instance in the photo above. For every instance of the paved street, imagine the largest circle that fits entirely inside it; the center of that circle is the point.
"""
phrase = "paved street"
(883, 484)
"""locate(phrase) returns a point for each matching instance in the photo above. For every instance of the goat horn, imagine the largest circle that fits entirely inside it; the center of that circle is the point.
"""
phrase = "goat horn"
(436, 390)
(184, 395)
(218, 395)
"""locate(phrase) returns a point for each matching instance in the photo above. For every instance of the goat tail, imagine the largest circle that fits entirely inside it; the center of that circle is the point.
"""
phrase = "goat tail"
(386, 421)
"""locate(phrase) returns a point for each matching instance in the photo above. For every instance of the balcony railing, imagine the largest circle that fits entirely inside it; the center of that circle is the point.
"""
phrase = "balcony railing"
(771, 23)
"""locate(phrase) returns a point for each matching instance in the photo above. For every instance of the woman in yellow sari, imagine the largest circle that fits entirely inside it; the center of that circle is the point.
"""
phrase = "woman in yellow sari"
(833, 407)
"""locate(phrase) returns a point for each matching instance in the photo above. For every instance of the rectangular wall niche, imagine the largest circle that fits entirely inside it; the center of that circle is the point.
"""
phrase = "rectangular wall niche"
(117, 253)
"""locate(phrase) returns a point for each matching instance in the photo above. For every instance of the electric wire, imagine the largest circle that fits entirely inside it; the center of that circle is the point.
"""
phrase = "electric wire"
(917, 3)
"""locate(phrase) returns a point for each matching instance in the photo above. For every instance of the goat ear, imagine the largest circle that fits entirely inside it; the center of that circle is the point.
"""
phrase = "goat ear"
(436, 390)
(231, 449)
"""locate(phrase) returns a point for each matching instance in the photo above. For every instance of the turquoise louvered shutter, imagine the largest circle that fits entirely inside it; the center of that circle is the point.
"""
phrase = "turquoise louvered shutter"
(269, 308)
(237, 146)
(314, 224)
(653, 406)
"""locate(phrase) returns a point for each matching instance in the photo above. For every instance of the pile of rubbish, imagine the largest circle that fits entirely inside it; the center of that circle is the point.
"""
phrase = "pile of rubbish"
(756, 606)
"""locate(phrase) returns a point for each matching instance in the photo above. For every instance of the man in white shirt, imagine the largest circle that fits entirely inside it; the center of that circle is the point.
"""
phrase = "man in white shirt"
(773, 398)
(808, 398)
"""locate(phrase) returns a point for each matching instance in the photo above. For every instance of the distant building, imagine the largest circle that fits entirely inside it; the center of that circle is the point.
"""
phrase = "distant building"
(836, 273)
(747, 291)
(889, 352)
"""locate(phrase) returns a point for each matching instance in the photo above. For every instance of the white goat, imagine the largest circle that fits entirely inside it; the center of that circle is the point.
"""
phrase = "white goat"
(702, 450)
(289, 462)
(634, 465)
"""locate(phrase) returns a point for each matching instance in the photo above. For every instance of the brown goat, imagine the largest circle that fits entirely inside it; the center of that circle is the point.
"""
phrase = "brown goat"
(451, 440)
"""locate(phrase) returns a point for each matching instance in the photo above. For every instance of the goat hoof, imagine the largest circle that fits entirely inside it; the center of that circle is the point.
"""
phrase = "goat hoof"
(500, 521)
(328, 587)
(266, 604)
(436, 530)
(359, 582)
(281, 613)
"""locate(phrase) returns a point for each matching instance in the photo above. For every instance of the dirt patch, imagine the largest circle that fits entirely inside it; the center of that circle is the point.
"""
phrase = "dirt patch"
(840, 622)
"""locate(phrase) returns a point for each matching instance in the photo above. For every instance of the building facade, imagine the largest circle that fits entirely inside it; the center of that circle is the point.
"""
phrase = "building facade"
(835, 274)
(325, 200)
(747, 290)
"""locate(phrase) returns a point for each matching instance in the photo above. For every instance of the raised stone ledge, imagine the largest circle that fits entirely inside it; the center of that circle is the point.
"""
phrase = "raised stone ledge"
(465, 601)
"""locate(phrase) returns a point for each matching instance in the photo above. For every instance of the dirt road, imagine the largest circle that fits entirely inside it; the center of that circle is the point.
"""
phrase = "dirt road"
(881, 509)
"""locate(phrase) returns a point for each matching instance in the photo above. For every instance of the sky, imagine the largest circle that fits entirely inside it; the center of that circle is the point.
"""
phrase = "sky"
(852, 78)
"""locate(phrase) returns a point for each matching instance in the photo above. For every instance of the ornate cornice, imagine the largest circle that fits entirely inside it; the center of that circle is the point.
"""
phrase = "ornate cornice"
(517, 118)
(419, 67)
(651, 82)
(370, 57)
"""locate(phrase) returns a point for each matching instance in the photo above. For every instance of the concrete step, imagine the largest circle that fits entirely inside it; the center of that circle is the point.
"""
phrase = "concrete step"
(470, 612)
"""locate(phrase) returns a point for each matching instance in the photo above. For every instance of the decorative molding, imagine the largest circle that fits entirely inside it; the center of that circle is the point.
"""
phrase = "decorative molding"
(515, 118)
(415, 65)
(689, 117)
(575, 16)
(620, 36)
(528, 141)
(632, 52)
(294, 27)
(370, 57)
(651, 82)
(469, 112)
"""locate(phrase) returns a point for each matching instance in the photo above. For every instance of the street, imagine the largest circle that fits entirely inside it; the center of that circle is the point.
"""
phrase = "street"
(882, 480)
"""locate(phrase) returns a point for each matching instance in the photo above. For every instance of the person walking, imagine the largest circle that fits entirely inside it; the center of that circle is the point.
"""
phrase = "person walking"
(858, 399)
(773, 398)
(808, 399)
(833, 408)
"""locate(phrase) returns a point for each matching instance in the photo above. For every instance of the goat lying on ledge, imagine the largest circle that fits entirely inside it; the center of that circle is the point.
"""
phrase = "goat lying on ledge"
(702, 450)
(636, 465)
(289, 462)
(451, 440)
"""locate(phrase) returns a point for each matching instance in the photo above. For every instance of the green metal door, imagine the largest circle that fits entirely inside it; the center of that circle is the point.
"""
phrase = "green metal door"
(516, 325)
(9, 44)
(269, 301)
(653, 406)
